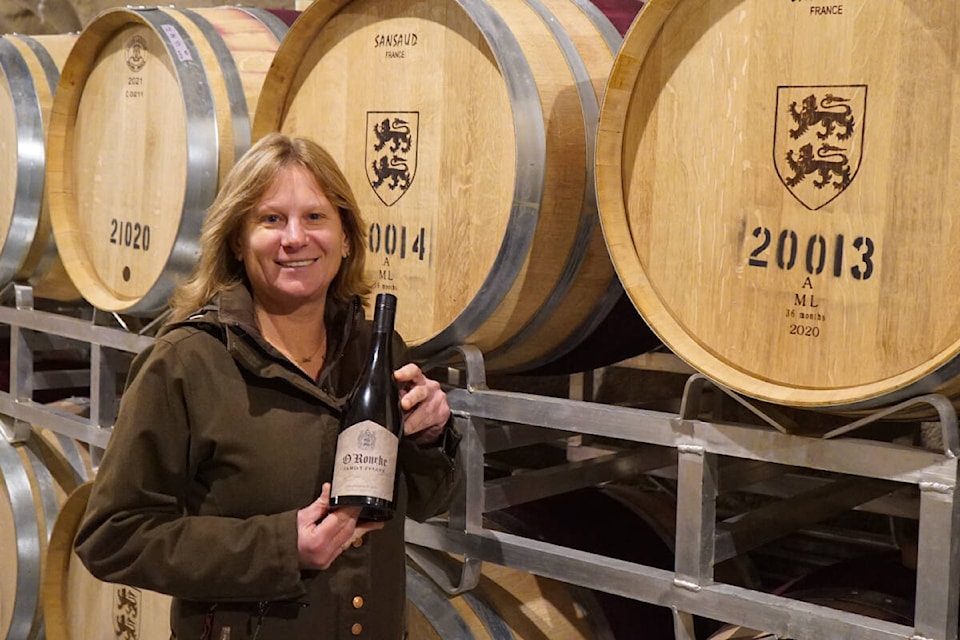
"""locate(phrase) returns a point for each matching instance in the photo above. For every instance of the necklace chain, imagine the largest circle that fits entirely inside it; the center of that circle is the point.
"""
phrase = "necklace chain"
(308, 358)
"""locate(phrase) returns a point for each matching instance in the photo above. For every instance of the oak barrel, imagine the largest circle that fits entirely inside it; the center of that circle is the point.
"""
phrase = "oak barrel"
(467, 130)
(777, 192)
(29, 72)
(506, 604)
(878, 585)
(77, 606)
(152, 109)
(36, 475)
(620, 522)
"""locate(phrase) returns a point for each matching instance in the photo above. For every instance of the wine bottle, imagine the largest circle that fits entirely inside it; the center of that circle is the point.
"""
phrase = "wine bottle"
(365, 466)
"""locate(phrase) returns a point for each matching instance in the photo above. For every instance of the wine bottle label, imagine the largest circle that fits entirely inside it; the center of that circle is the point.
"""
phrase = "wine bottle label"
(366, 461)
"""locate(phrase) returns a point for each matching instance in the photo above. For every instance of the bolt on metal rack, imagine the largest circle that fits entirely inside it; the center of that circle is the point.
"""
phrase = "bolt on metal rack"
(493, 420)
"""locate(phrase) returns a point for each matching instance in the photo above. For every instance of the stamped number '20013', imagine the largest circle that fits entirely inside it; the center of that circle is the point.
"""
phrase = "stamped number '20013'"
(819, 253)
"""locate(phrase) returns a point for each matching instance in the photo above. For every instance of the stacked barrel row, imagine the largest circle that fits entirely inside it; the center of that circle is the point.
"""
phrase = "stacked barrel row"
(475, 176)
(765, 232)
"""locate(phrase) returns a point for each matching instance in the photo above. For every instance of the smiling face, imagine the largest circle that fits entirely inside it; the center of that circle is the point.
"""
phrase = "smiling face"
(292, 243)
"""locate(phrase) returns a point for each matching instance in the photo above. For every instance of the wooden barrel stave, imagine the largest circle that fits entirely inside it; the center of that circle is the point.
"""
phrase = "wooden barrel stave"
(77, 606)
(441, 618)
(29, 72)
(21, 619)
(585, 39)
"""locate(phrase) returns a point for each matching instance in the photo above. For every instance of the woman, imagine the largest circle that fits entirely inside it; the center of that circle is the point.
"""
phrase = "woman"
(214, 486)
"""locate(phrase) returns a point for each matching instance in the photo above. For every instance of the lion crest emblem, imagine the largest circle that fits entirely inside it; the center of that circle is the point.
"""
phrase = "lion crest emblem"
(391, 158)
(818, 140)
(126, 614)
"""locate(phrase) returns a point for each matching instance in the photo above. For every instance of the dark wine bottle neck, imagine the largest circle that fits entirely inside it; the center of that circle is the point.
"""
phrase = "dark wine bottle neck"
(384, 313)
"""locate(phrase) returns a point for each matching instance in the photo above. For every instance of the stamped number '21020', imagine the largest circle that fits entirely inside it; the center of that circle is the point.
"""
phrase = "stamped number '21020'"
(130, 234)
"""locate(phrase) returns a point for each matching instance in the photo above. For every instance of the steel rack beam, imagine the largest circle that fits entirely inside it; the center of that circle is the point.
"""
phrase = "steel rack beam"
(755, 609)
(876, 467)
(28, 328)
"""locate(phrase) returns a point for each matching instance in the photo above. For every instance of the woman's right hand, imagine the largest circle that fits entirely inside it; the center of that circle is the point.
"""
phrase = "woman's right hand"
(322, 535)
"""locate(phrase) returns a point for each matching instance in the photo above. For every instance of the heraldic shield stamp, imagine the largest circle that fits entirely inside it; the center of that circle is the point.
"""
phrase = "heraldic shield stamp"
(818, 140)
(133, 50)
(391, 156)
(127, 609)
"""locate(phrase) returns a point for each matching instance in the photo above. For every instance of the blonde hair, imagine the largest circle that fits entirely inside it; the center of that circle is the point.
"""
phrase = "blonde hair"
(244, 187)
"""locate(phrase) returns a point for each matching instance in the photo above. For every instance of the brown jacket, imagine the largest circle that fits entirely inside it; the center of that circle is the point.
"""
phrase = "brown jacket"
(219, 441)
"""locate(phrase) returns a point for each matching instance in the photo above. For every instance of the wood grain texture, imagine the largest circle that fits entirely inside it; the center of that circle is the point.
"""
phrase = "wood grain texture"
(77, 606)
(28, 247)
(132, 168)
(712, 145)
(470, 254)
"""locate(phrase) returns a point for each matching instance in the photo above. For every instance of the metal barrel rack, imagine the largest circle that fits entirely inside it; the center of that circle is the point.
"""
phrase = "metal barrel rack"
(866, 470)
(906, 479)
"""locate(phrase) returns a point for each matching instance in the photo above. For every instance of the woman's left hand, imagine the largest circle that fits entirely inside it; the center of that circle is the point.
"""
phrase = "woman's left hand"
(424, 404)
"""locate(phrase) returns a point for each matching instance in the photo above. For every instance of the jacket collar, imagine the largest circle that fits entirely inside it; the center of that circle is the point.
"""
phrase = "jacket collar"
(231, 315)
